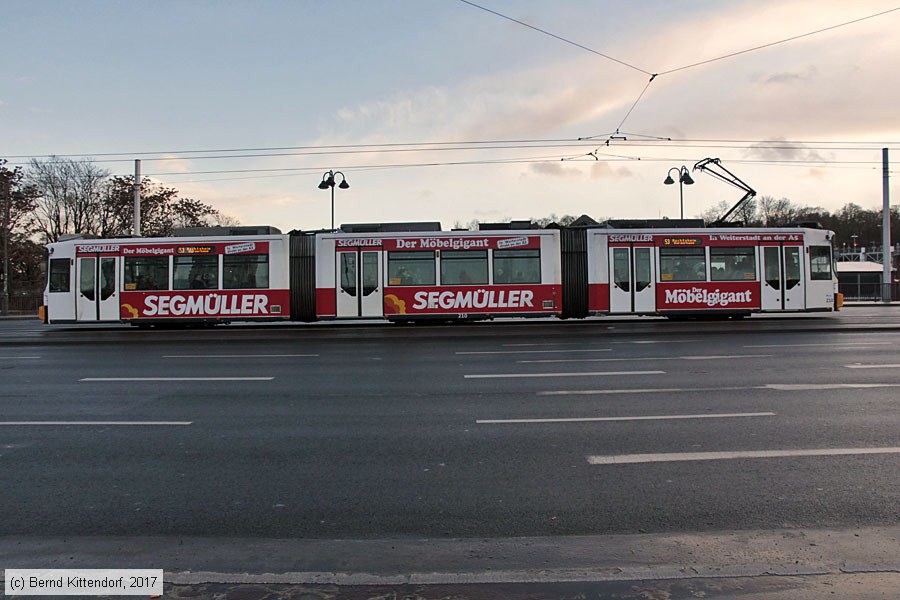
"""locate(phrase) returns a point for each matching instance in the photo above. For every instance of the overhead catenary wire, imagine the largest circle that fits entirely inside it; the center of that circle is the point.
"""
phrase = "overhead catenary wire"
(350, 149)
(652, 75)
(271, 150)
(558, 37)
(648, 141)
(776, 43)
(286, 171)
(797, 162)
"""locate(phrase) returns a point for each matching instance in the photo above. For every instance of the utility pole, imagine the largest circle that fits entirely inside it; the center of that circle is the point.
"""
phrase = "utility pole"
(137, 198)
(7, 200)
(886, 230)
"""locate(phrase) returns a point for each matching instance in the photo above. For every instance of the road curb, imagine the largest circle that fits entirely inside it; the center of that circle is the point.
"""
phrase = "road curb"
(189, 561)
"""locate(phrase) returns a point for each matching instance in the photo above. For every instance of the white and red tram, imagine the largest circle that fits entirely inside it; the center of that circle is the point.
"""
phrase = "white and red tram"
(438, 274)
(168, 279)
(705, 270)
(424, 273)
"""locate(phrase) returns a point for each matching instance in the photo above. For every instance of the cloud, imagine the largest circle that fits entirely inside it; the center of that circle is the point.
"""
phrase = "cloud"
(579, 95)
(825, 87)
(780, 150)
(554, 169)
(809, 73)
(409, 109)
(602, 170)
(513, 104)
(175, 164)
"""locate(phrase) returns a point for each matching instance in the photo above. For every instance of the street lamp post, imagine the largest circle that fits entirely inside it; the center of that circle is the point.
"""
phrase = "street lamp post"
(684, 178)
(328, 182)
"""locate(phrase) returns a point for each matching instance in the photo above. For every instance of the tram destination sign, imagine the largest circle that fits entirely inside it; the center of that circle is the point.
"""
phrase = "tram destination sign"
(682, 241)
(195, 250)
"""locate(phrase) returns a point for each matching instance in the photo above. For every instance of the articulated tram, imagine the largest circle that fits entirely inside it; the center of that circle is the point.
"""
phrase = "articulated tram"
(417, 271)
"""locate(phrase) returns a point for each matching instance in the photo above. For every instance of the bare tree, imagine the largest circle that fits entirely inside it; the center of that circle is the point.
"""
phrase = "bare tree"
(562, 221)
(162, 210)
(778, 212)
(69, 196)
(24, 256)
(21, 198)
(747, 213)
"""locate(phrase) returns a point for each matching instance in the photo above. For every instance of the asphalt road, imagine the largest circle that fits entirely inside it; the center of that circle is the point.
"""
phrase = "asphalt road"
(375, 432)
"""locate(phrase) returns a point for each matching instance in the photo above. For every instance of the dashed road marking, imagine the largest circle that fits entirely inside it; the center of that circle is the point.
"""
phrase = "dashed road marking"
(630, 459)
(615, 419)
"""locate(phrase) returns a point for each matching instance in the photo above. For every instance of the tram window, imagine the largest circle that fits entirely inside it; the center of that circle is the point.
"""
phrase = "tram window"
(59, 275)
(517, 266)
(348, 272)
(107, 277)
(369, 272)
(245, 271)
(411, 268)
(642, 269)
(196, 273)
(622, 268)
(682, 264)
(791, 267)
(464, 267)
(820, 262)
(146, 273)
(87, 281)
(771, 256)
(732, 264)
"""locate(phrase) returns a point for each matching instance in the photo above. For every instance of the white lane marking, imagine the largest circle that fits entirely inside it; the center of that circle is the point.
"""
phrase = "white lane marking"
(781, 387)
(237, 355)
(724, 356)
(613, 419)
(645, 391)
(651, 358)
(826, 345)
(794, 387)
(593, 374)
(107, 379)
(94, 423)
(656, 342)
(18, 357)
(859, 366)
(626, 459)
(523, 344)
(535, 351)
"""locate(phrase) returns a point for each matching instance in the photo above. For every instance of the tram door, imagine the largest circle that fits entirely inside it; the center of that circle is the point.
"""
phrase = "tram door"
(359, 277)
(633, 274)
(97, 298)
(782, 285)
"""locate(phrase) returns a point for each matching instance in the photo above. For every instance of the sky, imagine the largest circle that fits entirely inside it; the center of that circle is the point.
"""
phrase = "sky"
(439, 110)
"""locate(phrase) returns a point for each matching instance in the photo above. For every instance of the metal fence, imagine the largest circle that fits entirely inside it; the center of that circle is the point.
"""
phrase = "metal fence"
(862, 291)
(25, 303)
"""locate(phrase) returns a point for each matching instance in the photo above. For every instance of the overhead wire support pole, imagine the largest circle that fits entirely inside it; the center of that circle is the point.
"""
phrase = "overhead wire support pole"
(137, 197)
(7, 201)
(886, 247)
